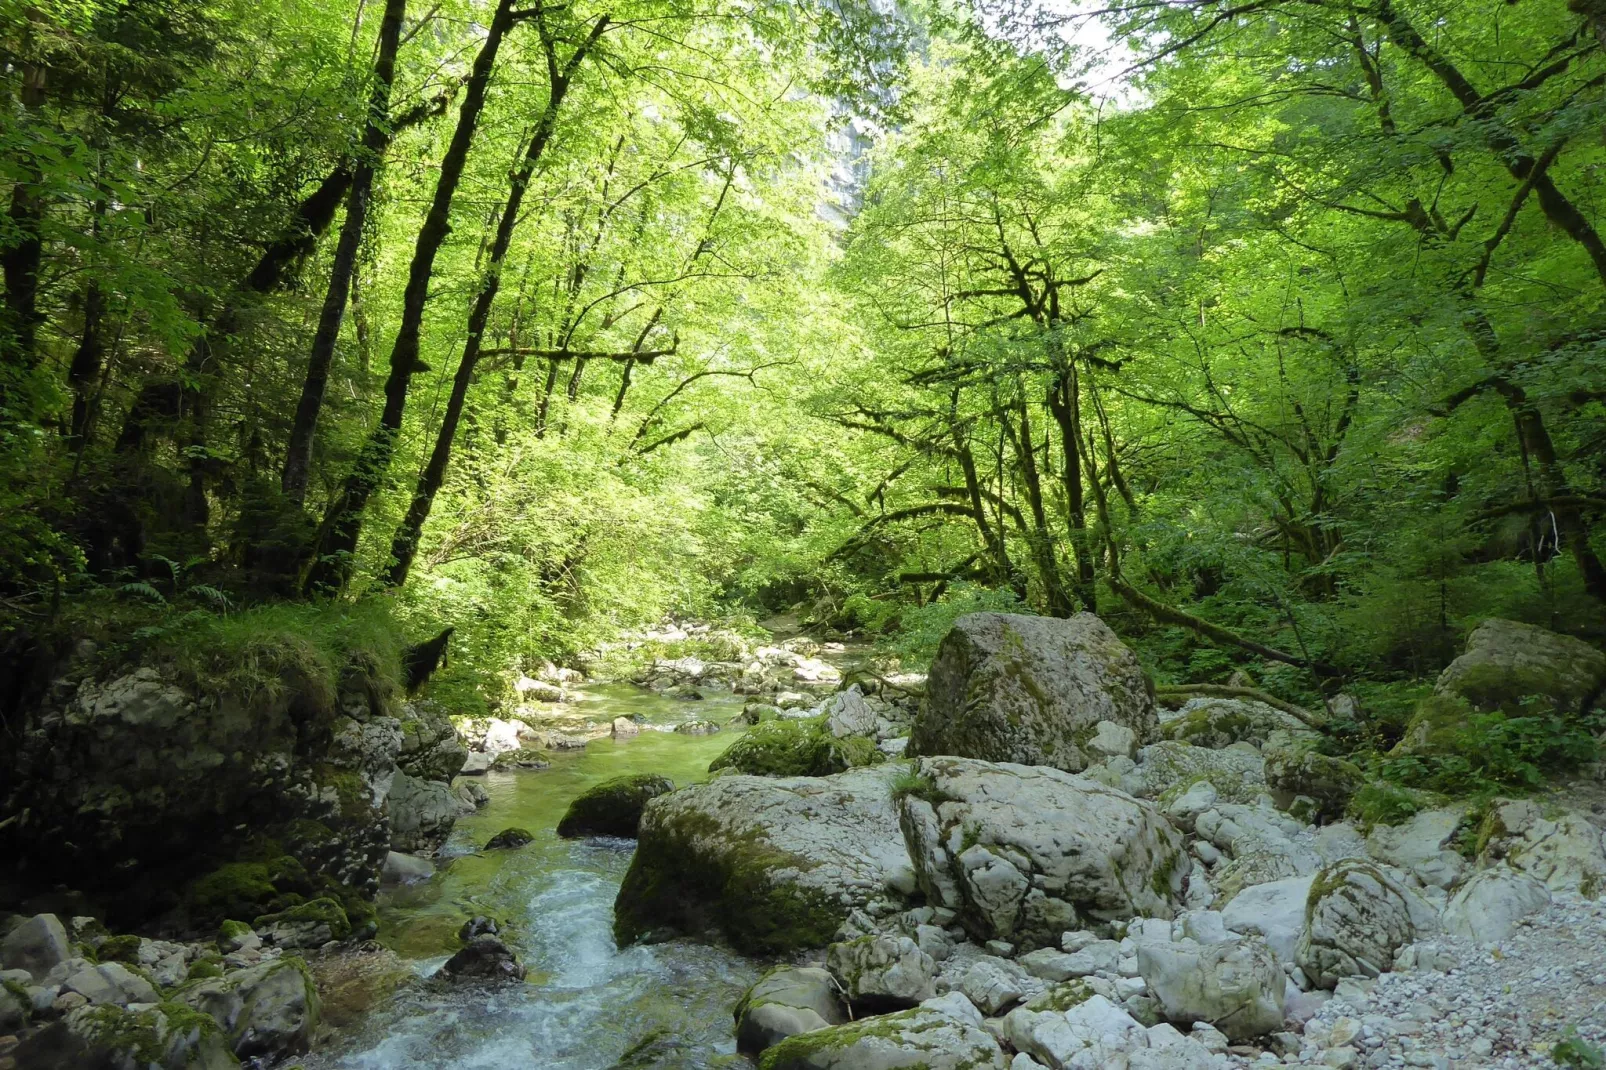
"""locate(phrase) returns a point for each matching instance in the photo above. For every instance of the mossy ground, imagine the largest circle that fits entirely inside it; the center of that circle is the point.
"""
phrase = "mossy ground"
(796, 748)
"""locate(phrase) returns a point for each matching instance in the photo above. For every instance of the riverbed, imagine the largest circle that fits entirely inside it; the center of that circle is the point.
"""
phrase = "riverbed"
(586, 1003)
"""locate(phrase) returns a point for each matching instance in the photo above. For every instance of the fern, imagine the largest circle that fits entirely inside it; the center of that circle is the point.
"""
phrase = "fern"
(144, 590)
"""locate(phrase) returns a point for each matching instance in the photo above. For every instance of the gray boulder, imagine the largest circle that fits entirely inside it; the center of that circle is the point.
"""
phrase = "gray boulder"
(1487, 907)
(1421, 847)
(1025, 853)
(1237, 986)
(1221, 722)
(430, 747)
(402, 868)
(882, 972)
(484, 958)
(774, 863)
(110, 982)
(1010, 688)
(37, 945)
(270, 1010)
(785, 1002)
(1563, 849)
(1506, 661)
(1169, 768)
(1274, 911)
(848, 714)
(1356, 919)
(939, 1035)
(422, 812)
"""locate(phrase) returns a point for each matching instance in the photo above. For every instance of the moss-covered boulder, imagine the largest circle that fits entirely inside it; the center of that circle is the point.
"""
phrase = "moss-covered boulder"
(1356, 918)
(430, 747)
(613, 808)
(773, 864)
(928, 1037)
(1295, 769)
(1506, 661)
(786, 1001)
(509, 839)
(167, 1036)
(1011, 688)
(796, 748)
(1171, 767)
(1221, 722)
(311, 924)
(268, 1011)
(247, 889)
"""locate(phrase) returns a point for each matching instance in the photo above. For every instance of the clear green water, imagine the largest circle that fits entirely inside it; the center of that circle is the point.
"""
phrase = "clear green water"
(586, 1002)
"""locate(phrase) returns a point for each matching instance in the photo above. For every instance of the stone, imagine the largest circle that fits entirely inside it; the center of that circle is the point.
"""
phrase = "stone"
(1236, 985)
(16, 1007)
(614, 807)
(1486, 908)
(1421, 847)
(932, 1037)
(803, 747)
(786, 1001)
(1091, 1034)
(164, 1037)
(403, 868)
(484, 959)
(847, 714)
(1022, 853)
(1506, 661)
(1274, 911)
(269, 1011)
(311, 924)
(37, 945)
(111, 982)
(624, 728)
(1111, 740)
(1357, 918)
(422, 812)
(1169, 769)
(880, 972)
(538, 690)
(1010, 688)
(697, 728)
(1220, 722)
(430, 747)
(990, 985)
(1295, 769)
(776, 864)
(509, 839)
(475, 763)
(1562, 848)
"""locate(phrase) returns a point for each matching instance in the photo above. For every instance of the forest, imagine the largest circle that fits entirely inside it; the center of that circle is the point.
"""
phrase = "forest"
(415, 412)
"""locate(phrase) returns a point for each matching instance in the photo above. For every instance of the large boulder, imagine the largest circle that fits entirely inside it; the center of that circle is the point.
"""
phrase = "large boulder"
(269, 1010)
(1274, 911)
(36, 945)
(1356, 919)
(613, 808)
(1561, 848)
(1221, 722)
(939, 1035)
(1070, 1027)
(1235, 985)
(1487, 907)
(422, 812)
(882, 972)
(1506, 661)
(165, 1036)
(310, 924)
(1422, 846)
(430, 746)
(1294, 768)
(1170, 767)
(1010, 688)
(1025, 853)
(484, 958)
(785, 1002)
(773, 863)
(796, 748)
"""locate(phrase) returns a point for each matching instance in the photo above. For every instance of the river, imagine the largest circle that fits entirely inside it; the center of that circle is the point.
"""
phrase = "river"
(586, 1002)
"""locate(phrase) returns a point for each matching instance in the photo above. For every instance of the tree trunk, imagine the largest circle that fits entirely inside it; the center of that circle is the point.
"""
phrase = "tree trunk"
(1064, 403)
(376, 138)
(1058, 602)
(342, 525)
(404, 544)
(19, 260)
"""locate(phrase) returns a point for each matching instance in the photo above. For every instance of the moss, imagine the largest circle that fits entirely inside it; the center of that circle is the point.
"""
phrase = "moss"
(146, 1035)
(118, 949)
(24, 1000)
(231, 931)
(1381, 803)
(204, 967)
(796, 748)
(614, 807)
(234, 889)
(1434, 724)
(1165, 873)
(318, 911)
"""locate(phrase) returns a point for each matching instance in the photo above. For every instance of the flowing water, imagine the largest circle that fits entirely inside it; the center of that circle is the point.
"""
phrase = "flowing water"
(586, 1002)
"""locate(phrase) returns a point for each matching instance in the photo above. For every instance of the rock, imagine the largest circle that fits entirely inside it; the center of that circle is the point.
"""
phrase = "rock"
(925, 1037)
(1356, 919)
(538, 690)
(430, 748)
(625, 728)
(785, 1002)
(1486, 908)
(16, 1007)
(1421, 847)
(110, 982)
(422, 812)
(485, 959)
(522, 758)
(270, 1011)
(475, 763)
(1009, 688)
(847, 714)
(1275, 911)
(1170, 769)
(405, 869)
(1506, 661)
(895, 747)
(882, 972)
(311, 924)
(796, 748)
(614, 807)
(1237, 986)
(235, 936)
(1220, 722)
(473, 794)
(37, 945)
(168, 1036)
(1294, 769)
(1561, 848)
(1025, 853)
(991, 985)
(775, 864)
(697, 728)
(1112, 740)
(1092, 1032)
(509, 839)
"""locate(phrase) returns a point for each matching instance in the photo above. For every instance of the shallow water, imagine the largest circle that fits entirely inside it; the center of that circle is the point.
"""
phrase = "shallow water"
(586, 1002)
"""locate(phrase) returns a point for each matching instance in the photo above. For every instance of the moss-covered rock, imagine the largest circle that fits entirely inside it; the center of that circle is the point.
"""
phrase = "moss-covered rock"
(923, 1038)
(773, 864)
(1221, 722)
(614, 807)
(246, 889)
(118, 949)
(509, 839)
(167, 1036)
(796, 748)
(311, 924)
(1506, 661)
(1294, 769)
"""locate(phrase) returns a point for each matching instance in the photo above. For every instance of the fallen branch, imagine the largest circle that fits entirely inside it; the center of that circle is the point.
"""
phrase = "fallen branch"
(1254, 694)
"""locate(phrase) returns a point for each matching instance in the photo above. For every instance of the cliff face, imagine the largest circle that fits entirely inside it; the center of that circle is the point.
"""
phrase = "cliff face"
(160, 797)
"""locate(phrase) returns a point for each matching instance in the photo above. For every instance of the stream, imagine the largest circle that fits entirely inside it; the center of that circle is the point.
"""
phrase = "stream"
(586, 1002)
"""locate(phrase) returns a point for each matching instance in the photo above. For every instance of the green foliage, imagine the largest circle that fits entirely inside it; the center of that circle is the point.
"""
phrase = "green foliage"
(1499, 750)
(1576, 1052)
(924, 626)
(795, 748)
